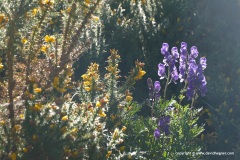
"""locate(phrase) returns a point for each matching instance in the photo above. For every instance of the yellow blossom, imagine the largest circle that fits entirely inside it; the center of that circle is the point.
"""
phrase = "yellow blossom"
(1, 66)
(24, 41)
(124, 128)
(139, 74)
(230, 110)
(65, 118)
(2, 122)
(37, 90)
(34, 11)
(1, 18)
(108, 154)
(95, 18)
(98, 104)
(74, 130)
(87, 2)
(25, 150)
(37, 107)
(87, 88)
(129, 98)
(22, 116)
(17, 127)
(49, 39)
(101, 113)
(44, 49)
(86, 83)
(13, 156)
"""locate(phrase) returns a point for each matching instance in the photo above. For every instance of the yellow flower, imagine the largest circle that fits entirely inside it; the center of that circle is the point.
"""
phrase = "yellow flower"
(65, 118)
(74, 130)
(34, 11)
(139, 74)
(49, 39)
(230, 110)
(87, 2)
(101, 113)
(2, 122)
(87, 88)
(44, 49)
(95, 18)
(108, 154)
(37, 90)
(1, 18)
(37, 107)
(129, 98)
(1, 66)
(17, 128)
(13, 156)
(124, 128)
(25, 150)
(86, 83)
(98, 104)
(24, 41)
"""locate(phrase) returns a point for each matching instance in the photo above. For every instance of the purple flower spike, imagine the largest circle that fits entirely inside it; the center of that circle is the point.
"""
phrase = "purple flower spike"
(161, 70)
(164, 48)
(194, 52)
(157, 133)
(203, 63)
(175, 53)
(157, 86)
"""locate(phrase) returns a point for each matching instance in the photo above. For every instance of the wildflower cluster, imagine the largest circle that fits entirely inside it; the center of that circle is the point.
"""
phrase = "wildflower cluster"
(189, 71)
(163, 126)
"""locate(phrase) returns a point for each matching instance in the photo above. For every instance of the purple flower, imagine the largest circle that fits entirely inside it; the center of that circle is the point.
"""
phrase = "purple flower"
(174, 74)
(157, 133)
(163, 125)
(150, 83)
(157, 86)
(196, 79)
(194, 52)
(203, 63)
(175, 53)
(183, 49)
(161, 70)
(164, 48)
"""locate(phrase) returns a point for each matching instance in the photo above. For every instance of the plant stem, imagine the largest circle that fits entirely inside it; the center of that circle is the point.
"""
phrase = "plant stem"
(168, 79)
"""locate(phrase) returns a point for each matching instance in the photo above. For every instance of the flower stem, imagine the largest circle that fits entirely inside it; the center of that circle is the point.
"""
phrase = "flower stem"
(168, 79)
